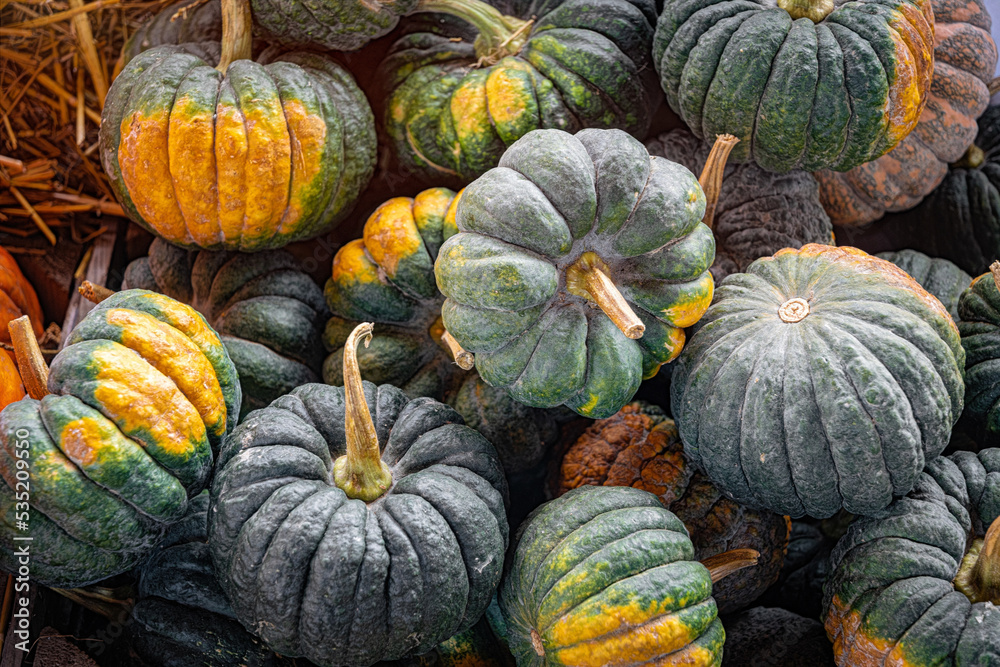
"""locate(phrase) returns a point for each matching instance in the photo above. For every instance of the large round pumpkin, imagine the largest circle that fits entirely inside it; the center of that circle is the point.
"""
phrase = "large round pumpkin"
(268, 312)
(140, 396)
(919, 584)
(965, 58)
(352, 558)
(979, 325)
(252, 159)
(570, 250)
(800, 85)
(821, 378)
(639, 447)
(938, 276)
(758, 212)
(17, 298)
(459, 92)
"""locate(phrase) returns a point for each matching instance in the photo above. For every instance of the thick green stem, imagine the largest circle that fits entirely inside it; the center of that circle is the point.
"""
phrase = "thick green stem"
(361, 472)
(814, 10)
(499, 35)
(711, 174)
(979, 574)
(237, 36)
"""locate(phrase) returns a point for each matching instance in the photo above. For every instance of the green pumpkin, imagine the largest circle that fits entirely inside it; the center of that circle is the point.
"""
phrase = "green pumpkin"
(387, 550)
(343, 25)
(833, 89)
(605, 575)
(905, 588)
(267, 310)
(821, 378)
(979, 325)
(140, 396)
(938, 276)
(459, 91)
(197, 25)
(567, 229)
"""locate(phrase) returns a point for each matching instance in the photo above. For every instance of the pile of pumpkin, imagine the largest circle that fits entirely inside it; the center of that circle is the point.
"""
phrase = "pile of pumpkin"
(439, 458)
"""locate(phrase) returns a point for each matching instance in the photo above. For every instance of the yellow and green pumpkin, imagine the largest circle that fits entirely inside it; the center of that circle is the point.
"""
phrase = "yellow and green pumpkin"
(141, 395)
(805, 84)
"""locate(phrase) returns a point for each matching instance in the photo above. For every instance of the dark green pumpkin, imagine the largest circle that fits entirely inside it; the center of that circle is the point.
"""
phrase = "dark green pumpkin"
(268, 311)
(979, 325)
(821, 378)
(833, 93)
(758, 212)
(559, 209)
(938, 276)
(769, 637)
(338, 581)
(891, 598)
(140, 396)
(458, 92)
(196, 24)
(343, 25)
(605, 575)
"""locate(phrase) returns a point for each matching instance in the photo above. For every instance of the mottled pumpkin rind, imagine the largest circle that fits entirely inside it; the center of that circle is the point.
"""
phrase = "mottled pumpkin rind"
(938, 276)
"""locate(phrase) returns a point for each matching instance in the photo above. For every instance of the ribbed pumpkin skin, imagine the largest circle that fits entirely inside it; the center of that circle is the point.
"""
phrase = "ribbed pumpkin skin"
(840, 409)
(198, 28)
(268, 312)
(554, 199)
(605, 575)
(890, 597)
(938, 276)
(965, 58)
(250, 160)
(17, 298)
(585, 64)
(639, 447)
(832, 94)
(318, 575)
(979, 325)
(142, 393)
(758, 212)
(343, 25)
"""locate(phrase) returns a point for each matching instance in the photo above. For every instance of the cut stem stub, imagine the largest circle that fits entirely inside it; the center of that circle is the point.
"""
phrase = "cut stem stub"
(814, 10)
(724, 564)
(30, 363)
(712, 173)
(361, 472)
(94, 293)
(465, 359)
(979, 574)
(794, 310)
(588, 278)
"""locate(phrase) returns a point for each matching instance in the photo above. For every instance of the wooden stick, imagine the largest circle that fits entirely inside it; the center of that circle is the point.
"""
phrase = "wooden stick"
(12, 165)
(94, 293)
(62, 16)
(30, 363)
(81, 128)
(711, 175)
(34, 215)
(85, 39)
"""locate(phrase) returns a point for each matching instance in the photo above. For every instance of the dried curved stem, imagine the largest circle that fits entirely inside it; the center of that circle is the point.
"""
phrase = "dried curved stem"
(711, 174)
(237, 35)
(499, 35)
(30, 363)
(724, 564)
(94, 293)
(995, 270)
(588, 278)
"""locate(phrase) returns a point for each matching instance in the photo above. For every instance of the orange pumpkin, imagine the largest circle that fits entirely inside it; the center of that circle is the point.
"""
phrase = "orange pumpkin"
(10, 382)
(17, 297)
(964, 60)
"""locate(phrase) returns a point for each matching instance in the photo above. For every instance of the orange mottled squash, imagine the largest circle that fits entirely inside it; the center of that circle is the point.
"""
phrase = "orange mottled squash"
(11, 388)
(17, 298)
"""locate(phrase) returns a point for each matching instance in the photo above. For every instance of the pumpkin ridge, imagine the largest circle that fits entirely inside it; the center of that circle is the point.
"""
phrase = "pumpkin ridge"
(752, 135)
(279, 228)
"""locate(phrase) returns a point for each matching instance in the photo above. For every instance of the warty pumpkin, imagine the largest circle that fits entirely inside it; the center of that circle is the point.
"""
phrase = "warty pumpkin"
(821, 378)
(578, 263)
(804, 84)
(242, 156)
(350, 558)
(920, 584)
(459, 92)
(938, 276)
(138, 399)
(965, 59)
(979, 325)
(606, 575)
(268, 312)
(639, 447)
(195, 23)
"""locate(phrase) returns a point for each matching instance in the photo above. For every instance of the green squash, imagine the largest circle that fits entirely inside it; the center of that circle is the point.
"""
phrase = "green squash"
(267, 310)
(803, 84)
(821, 378)
(343, 25)
(938, 276)
(462, 86)
(979, 325)
(578, 263)
(194, 23)
(141, 395)
(352, 558)
(919, 584)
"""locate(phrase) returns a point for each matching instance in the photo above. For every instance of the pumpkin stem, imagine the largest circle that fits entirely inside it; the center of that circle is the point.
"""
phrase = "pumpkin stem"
(588, 278)
(814, 10)
(724, 564)
(30, 363)
(465, 360)
(979, 574)
(711, 174)
(794, 310)
(94, 293)
(973, 159)
(994, 86)
(995, 270)
(237, 35)
(499, 35)
(361, 472)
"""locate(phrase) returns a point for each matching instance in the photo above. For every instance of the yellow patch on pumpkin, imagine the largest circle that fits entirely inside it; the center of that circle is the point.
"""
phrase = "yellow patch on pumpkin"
(191, 149)
(507, 95)
(268, 172)
(431, 205)
(230, 157)
(692, 304)
(80, 440)
(351, 265)
(391, 235)
(307, 134)
(650, 636)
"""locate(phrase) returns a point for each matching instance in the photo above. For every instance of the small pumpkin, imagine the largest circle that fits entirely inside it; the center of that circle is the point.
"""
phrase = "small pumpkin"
(758, 212)
(965, 59)
(350, 558)
(11, 389)
(821, 378)
(17, 298)
(774, 636)
(459, 92)
(249, 159)
(606, 575)
(578, 263)
(268, 312)
(140, 396)
(195, 23)
(806, 84)
(979, 325)
(938, 276)
(639, 447)
(920, 583)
